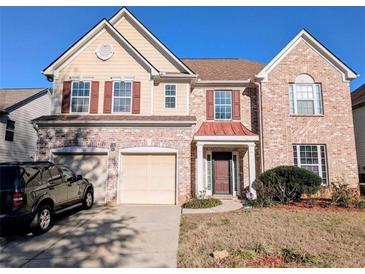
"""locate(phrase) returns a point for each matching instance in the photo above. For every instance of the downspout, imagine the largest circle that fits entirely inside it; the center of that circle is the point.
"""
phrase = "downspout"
(258, 85)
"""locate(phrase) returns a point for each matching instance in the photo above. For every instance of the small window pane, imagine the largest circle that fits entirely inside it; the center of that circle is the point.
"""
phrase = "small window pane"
(313, 158)
(223, 105)
(122, 96)
(209, 172)
(307, 99)
(9, 131)
(80, 96)
(170, 96)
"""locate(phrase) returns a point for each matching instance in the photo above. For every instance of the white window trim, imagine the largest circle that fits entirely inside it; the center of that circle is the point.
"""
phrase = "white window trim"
(218, 90)
(314, 101)
(113, 97)
(319, 160)
(164, 101)
(71, 97)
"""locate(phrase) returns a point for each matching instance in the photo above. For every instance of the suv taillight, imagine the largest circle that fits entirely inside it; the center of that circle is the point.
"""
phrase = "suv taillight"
(18, 199)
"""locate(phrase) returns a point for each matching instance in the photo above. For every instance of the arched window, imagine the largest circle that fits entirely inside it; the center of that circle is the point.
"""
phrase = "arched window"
(305, 96)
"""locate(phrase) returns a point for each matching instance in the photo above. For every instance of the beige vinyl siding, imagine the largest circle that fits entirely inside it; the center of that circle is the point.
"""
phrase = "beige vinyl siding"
(25, 138)
(121, 64)
(144, 46)
(182, 99)
(359, 125)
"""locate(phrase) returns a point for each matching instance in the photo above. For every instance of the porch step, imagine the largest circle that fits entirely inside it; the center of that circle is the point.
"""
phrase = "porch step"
(224, 197)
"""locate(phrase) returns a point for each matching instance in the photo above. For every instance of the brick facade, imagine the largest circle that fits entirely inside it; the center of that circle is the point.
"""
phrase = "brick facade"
(334, 129)
(176, 138)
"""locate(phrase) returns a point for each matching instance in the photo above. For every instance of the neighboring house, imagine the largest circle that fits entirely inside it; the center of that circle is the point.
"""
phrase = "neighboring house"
(358, 111)
(147, 127)
(18, 140)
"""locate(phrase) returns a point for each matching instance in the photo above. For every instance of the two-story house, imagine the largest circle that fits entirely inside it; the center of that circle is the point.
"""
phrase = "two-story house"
(147, 127)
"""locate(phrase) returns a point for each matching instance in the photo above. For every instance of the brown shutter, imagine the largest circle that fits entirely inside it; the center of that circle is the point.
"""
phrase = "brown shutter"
(236, 109)
(66, 96)
(108, 96)
(210, 105)
(94, 97)
(136, 102)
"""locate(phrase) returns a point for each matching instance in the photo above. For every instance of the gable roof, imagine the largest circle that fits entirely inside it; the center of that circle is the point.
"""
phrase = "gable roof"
(124, 12)
(14, 97)
(88, 37)
(304, 35)
(358, 97)
(229, 69)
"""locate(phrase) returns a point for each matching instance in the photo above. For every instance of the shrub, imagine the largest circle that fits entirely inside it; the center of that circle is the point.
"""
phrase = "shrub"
(361, 204)
(264, 198)
(295, 256)
(362, 190)
(289, 183)
(342, 195)
(202, 203)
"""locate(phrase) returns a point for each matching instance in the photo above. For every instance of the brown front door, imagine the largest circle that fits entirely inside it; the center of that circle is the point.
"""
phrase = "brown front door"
(222, 176)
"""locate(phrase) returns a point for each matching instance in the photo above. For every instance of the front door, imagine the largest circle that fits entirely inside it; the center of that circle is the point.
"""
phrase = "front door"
(221, 167)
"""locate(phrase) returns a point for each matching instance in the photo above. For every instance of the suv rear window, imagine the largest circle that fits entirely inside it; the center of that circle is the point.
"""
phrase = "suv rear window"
(8, 177)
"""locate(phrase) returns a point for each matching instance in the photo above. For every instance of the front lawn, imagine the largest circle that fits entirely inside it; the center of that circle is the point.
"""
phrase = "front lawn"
(274, 237)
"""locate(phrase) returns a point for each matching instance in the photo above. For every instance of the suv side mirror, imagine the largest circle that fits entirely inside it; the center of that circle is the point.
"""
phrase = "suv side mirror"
(71, 179)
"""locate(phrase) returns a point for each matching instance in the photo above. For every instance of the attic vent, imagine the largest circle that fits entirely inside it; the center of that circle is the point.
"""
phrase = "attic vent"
(104, 51)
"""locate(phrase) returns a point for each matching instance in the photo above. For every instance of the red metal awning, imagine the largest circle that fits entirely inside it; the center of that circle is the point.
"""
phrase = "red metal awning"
(223, 129)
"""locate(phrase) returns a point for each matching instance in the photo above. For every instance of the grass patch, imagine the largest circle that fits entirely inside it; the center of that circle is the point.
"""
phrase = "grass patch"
(274, 237)
(220, 222)
(202, 203)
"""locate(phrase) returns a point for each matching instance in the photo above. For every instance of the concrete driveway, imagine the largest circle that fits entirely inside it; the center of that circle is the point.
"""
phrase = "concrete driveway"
(123, 236)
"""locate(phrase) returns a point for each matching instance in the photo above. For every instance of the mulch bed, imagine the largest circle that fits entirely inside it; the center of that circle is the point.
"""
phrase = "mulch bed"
(320, 205)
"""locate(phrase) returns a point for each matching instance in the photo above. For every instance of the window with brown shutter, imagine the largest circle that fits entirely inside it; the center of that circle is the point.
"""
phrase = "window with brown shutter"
(94, 97)
(108, 96)
(66, 93)
(210, 104)
(236, 109)
(136, 103)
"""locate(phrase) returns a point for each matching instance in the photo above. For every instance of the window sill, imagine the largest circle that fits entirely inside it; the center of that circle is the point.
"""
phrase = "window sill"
(303, 115)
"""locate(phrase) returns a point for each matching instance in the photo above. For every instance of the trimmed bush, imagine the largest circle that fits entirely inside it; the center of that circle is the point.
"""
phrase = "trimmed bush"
(288, 183)
(202, 203)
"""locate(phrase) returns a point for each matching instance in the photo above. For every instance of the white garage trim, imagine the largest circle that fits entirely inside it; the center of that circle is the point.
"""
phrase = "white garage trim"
(74, 150)
(148, 150)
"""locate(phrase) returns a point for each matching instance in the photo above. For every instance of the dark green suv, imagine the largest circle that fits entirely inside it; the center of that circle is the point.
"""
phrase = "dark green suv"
(31, 192)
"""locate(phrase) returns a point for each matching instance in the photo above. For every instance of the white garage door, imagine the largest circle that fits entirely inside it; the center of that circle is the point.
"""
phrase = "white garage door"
(91, 166)
(147, 179)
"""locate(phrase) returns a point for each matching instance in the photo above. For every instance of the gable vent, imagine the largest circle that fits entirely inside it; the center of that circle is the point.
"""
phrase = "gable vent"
(104, 52)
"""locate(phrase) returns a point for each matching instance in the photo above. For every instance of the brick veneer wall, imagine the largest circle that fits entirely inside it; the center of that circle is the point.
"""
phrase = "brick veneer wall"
(334, 128)
(177, 138)
(249, 118)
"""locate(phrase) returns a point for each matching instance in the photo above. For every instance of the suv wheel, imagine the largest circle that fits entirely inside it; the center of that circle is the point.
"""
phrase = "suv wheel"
(43, 220)
(88, 200)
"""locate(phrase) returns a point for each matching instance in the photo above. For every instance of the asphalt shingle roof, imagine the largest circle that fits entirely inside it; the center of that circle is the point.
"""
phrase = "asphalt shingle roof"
(224, 69)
